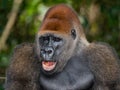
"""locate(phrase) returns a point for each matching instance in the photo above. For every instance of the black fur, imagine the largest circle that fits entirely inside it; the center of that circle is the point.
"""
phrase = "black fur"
(97, 68)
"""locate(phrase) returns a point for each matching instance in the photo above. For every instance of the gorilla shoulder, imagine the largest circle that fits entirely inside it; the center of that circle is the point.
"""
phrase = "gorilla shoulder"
(23, 69)
(104, 63)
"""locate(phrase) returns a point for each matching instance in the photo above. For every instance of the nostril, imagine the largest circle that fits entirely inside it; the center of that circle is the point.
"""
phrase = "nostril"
(42, 50)
(42, 53)
(49, 51)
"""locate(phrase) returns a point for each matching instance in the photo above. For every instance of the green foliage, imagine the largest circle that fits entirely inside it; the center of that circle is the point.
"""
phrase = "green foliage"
(51, 2)
(1, 87)
(5, 7)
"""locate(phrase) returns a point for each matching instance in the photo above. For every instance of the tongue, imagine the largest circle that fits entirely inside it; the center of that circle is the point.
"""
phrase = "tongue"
(48, 65)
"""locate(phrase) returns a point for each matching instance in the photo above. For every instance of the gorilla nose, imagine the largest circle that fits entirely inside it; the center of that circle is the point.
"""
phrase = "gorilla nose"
(47, 53)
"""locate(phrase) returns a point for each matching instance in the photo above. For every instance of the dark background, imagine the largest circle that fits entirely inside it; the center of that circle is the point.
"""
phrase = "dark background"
(21, 19)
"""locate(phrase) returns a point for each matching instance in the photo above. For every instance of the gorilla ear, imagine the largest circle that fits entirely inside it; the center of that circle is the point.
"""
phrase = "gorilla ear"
(73, 33)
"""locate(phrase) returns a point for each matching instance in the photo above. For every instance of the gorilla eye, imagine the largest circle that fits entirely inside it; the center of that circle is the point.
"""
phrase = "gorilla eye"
(43, 40)
(56, 39)
(73, 33)
(46, 39)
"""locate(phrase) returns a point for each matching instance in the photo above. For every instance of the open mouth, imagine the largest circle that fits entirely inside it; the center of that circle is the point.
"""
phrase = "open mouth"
(48, 65)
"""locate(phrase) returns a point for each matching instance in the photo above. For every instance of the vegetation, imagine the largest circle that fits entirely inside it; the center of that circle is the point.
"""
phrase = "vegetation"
(21, 19)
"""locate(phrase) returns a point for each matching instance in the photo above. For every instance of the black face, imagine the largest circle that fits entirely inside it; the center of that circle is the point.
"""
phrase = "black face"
(49, 44)
(49, 51)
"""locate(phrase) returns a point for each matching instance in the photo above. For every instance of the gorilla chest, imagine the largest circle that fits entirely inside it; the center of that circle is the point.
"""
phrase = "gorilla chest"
(66, 82)
(75, 78)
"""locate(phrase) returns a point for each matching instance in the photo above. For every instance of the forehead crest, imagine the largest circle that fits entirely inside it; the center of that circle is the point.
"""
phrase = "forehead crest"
(59, 18)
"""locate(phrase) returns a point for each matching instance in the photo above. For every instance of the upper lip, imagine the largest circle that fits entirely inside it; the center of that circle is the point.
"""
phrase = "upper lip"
(48, 59)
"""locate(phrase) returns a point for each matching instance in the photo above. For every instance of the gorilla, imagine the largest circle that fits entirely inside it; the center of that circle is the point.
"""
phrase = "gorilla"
(62, 59)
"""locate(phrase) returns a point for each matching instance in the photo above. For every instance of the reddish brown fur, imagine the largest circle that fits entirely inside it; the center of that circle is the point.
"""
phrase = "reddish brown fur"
(60, 19)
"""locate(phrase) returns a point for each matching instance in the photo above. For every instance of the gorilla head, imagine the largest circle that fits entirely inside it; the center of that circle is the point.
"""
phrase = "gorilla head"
(58, 38)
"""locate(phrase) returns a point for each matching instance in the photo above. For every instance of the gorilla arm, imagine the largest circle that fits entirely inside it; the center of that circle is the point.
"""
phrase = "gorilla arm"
(104, 64)
(22, 73)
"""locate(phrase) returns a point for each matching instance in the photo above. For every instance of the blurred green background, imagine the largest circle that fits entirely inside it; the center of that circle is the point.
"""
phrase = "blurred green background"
(20, 20)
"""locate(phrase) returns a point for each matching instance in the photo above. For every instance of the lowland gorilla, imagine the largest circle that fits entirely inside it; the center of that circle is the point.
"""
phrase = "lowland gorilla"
(62, 58)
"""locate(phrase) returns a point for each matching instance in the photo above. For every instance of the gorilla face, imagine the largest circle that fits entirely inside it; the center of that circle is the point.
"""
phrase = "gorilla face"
(54, 51)
(50, 47)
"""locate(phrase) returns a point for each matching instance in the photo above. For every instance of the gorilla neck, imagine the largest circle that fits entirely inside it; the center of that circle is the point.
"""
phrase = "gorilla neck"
(75, 75)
